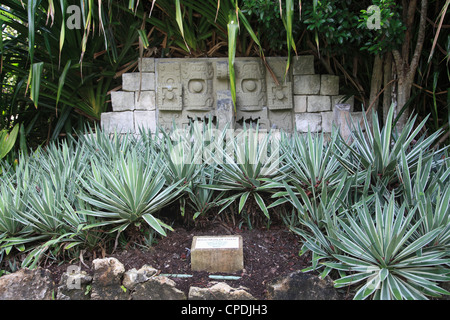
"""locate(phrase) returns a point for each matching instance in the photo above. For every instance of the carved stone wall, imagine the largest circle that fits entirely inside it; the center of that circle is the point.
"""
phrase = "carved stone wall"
(168, 91)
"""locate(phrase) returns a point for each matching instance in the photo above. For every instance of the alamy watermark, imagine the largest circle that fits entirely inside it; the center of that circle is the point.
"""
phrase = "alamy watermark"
(74, 20)
(73, 277)
(213, 146)
(374, 20)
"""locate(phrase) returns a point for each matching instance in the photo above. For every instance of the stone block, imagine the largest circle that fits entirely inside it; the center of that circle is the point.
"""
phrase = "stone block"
(145, 100)
(327, 121)
(319, 103)
(136, 81)
(303, 65)
(300, 103)
(329, 85)
(122, 101)
(219, 291)
(146, 64)
(145, 120)
(119, 122)
(307, 84)
(341, 99)
(308, 121)
(224, 110)
(217, 254)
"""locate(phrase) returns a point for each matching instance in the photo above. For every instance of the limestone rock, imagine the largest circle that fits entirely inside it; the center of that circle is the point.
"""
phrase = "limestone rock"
(303, 286)
(219, 291)
(73, 285)
(27, 284)
(157, 288)
(133, 277)
(107, 281)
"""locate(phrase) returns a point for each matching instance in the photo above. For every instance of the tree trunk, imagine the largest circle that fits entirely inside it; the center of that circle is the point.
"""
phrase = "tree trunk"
(387, 78)
(406, 70)
(375, 87)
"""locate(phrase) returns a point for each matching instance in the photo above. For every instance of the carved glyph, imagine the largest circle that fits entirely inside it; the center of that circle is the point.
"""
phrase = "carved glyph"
(169, 90)
(250, 85)
(197, 81)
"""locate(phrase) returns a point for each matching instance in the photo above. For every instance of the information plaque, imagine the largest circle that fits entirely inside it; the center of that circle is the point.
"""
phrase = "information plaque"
(217, 254)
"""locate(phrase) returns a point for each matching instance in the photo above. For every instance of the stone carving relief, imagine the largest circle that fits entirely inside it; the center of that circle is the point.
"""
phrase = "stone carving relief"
(250, 85)
(197, 81)
(169, 88)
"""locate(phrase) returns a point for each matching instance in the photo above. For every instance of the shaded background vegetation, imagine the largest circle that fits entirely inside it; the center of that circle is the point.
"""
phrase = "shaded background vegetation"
(54, 79)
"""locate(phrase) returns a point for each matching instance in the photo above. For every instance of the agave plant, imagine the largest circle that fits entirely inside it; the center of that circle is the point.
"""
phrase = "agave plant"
(247, 163)
(382, 253)
(376, 153)
(202, 198)
(127, 193)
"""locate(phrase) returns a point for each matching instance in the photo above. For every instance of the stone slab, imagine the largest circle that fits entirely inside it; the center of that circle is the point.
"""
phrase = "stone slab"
(136, 81)
(217, 254)
(300, 104)
(329, 84)
(145, 120)
(145, 100)
(311, 121)
(303, 65)
(319, 103)
(117, 122)
(146, 64)
(122, 101)
(327, 121)
(307, 84)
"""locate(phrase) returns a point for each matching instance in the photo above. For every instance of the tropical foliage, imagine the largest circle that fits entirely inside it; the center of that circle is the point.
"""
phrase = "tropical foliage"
(372, 215)
(56, 74)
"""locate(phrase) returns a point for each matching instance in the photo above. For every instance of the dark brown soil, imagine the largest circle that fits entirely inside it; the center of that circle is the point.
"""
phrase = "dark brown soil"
(268, 254)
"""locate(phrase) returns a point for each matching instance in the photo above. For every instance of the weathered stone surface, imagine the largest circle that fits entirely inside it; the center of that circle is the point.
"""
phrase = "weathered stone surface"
(307, 84)
(169, 93)
(145, 101)
(119, 122)
(319, 103)
(136, 81)
(122, 101)
(219, 291)
(157, 288)
(279, 96)
(146, 64)
(327, 121)
(303, 286)
(73, 285)
(281, 120)
(107, 281)
(300, 103)
(225, 110)
(145, 120)
(250, 85)
(329, 84)
(133, 277)
(197, 79)
(311, 121)
(303, 65)
(27, 284)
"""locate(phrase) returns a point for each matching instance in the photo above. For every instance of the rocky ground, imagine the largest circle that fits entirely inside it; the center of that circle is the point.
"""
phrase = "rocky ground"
(268, 254)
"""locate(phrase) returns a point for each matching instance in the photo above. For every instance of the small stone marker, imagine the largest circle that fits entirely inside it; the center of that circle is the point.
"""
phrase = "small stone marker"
(217, 254)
